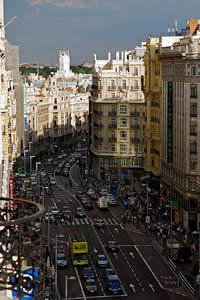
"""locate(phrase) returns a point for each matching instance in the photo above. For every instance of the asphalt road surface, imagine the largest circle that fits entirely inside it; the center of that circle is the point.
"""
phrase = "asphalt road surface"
(142, 271)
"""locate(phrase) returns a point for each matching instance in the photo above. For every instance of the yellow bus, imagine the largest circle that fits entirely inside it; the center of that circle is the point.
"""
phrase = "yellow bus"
(78, 250)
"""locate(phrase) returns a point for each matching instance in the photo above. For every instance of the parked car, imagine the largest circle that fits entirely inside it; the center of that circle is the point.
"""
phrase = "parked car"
(91, 286)
(94, 196)
(102, 260)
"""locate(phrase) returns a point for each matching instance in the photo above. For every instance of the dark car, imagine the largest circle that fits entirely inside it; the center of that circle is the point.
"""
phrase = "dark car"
(91, 286)
(88, 205)
(108, 272)
(58, 171)
(80, 212)
(61, 260)
(99, 223)
(112, 246)
(113, 284)
(88, 272)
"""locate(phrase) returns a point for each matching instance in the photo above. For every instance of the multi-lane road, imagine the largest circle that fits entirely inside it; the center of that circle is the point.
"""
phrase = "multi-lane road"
(143, 273)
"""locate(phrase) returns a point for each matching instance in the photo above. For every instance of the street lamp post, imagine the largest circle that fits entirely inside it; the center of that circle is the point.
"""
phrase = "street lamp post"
(38, 178)
(25, 151)
(31, 156)
(66, 284)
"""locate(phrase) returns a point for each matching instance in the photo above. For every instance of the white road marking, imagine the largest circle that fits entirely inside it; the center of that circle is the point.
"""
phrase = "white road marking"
(83, 293)
(86, 221)
(151, 287)
(132, 287)
(82, 221)
(115, 221)
(156, 278)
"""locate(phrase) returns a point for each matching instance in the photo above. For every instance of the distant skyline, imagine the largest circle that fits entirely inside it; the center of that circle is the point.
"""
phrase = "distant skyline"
(85, 27)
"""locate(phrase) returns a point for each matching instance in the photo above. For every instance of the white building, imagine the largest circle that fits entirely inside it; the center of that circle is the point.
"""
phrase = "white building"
(64, 64)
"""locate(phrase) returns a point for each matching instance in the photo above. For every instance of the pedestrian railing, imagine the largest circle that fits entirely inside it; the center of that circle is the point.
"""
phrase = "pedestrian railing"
(172, 265)
(186, 284)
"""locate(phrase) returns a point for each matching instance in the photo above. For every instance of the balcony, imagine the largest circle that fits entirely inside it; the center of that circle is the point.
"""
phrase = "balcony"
(193, 115)
(98, 125)
(124, 87)
(135, 87)
(112, 126)
(135, 140)
(135, 126)
(193, 133)
(135, 113)
(112, 113)
(112, 88)
(98, 112)
(112, 139)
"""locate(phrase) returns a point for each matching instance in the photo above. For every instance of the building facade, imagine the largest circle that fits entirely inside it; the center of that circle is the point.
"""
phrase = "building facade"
(152, 91)
(180, 128)
(117, 114)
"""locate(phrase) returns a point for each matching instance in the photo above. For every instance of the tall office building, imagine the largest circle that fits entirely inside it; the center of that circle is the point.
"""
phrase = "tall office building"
(116, 115)
(180, 127)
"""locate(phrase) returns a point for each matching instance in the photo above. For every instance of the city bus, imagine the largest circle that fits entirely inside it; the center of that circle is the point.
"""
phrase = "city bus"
(78, 250)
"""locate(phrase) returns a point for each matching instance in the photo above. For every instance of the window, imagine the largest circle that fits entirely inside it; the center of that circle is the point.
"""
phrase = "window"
(136, 148)
(193, 204)
(124, 161)
(123, 135)
(123, 122)
(193, 164)
(135, 84)
(112, 108)
(135, 109)
(193, 129)
(135, 96)
(99, 108)
(123, 148)
(193, 91)
(136, 135)
(112, 134)
(113, 148)
(112, 161)
(193, 110)
(112, 83)
(100, 121)
(100, 147)
(113, 121)
(123, 109)
(193, 148)
(113, 95)
(124, 84)
(193, 70)
(135, 71)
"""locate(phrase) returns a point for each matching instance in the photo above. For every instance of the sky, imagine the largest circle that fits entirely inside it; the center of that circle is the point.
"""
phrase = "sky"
(85, 27)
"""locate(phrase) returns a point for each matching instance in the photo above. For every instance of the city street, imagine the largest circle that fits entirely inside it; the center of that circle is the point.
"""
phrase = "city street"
(142, 271)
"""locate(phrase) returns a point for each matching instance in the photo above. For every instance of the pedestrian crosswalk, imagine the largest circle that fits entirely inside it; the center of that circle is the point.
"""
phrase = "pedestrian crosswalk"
(91, 221)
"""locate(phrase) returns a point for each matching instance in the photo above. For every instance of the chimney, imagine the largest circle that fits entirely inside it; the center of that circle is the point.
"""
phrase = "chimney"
(109, 55)
(117, 55)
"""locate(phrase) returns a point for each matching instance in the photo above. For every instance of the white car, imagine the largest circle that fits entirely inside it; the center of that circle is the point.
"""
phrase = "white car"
(52, 180)
(103, 192)
(55, 211)
(90, 192)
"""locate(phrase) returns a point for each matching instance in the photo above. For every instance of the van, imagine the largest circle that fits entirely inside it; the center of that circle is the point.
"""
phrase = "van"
(102, 203)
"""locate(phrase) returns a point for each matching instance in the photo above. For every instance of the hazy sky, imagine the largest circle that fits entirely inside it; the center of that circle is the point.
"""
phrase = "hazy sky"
(86, 27)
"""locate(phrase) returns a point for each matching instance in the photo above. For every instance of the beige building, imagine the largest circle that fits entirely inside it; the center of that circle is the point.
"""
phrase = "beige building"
(117, 114)
(180, 128)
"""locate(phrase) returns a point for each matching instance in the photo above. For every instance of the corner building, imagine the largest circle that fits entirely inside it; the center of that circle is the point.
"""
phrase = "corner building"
(117, 115)
(181, 128)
